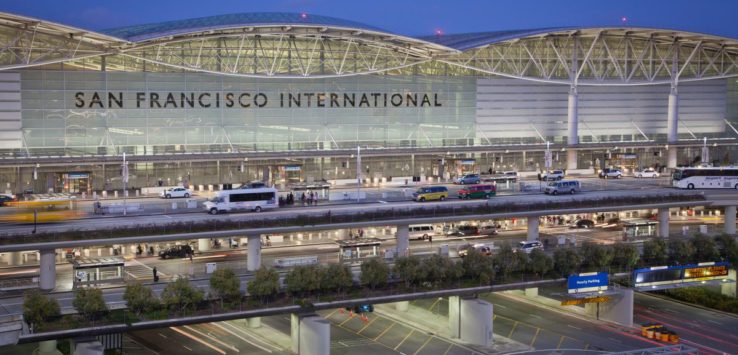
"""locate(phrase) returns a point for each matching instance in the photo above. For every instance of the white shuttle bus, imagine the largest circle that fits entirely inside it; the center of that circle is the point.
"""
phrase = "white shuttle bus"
(705, 178)
(256, 200)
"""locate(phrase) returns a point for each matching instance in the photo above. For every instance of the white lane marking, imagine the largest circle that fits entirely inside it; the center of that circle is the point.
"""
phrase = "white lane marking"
(203, 342)
(146, 266)
(574, 327)
(714, 322)
(209, 336)
(240, 337)
(185, 346)
(132, 275)
(163, 336)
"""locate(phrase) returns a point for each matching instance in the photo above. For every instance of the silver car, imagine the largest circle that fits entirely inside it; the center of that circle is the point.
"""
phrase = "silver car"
(562, 187)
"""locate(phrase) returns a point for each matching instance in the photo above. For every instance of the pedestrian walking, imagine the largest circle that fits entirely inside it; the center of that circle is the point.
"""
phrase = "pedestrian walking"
(156, 277)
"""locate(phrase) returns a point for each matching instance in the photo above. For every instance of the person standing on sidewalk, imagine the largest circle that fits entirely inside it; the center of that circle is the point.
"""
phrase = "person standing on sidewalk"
(156, 277)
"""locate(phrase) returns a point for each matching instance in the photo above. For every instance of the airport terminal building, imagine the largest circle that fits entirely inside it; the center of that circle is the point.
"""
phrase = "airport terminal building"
(288, 98)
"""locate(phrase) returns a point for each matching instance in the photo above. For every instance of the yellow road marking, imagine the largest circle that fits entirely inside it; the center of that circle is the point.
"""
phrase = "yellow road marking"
(560, 341)
(424, 344)
(367, 325)
(538, 330)
(513, 329)
(450, 345)
(384, 331)
(434, 304)
(405, 338)
(331, 314)
(347, 319)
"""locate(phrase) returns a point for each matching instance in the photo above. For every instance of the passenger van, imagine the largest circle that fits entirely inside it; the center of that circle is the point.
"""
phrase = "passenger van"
(256, 200)
(421, 231)
(562, 187)
(477, 191)
(430, 193)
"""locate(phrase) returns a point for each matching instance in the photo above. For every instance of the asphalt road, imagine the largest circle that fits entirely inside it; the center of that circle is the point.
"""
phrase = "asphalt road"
(712, 332)
(592, 189)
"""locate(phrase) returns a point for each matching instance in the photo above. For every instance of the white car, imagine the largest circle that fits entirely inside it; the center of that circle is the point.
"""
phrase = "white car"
(174, 192)
(647, 173)
(528, 247)
(553, 175)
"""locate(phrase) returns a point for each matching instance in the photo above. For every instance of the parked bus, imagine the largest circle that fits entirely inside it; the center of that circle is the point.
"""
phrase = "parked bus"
(705, 178)
(256, 200)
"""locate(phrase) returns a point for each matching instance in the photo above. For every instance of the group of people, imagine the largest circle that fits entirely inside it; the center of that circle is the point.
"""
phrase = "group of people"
(309, 198)
(359, 234)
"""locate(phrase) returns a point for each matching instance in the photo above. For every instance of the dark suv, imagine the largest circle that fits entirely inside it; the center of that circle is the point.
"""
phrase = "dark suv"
(461, 231)
(583, 223)
(177, 251)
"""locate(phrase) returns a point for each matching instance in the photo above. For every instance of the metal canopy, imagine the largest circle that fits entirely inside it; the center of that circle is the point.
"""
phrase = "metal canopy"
(600, 56)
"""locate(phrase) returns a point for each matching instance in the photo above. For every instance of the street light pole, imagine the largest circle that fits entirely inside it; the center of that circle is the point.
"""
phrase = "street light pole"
(124, 172)
(358, 173)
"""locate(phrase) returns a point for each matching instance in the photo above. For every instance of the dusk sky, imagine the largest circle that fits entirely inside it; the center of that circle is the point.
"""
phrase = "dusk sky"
(404, 16)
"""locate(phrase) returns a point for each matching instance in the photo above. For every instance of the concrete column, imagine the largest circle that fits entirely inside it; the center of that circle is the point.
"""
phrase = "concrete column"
(16, 258)
(89, 347)
(730, 220)
(470, 320)
(47, 279)
(573, 125)
(402, 306)
(403, 240)
(571, 159)
(203, 244)
(48, 347)
(672, 126)
(254, 322)
(618, 310)
(533, 224)
(311, 335)
(253, 262)
(664, 222)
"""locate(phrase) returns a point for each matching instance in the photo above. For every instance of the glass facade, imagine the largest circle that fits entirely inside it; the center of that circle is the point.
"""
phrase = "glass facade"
(84, 112)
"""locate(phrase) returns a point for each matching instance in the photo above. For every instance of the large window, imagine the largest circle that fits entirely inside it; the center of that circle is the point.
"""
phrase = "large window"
(252, 196)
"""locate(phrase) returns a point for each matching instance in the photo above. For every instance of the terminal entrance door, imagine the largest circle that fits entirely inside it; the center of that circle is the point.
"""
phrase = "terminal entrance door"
(75, 183)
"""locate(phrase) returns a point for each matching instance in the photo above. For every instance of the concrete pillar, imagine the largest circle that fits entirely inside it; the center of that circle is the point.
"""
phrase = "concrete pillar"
(311, 335)
(253, 262)
(571, 159)
(88, 347)
(533, 224)
(254, 322)
(16, 258)
(203, 244)
(402, 306)
(48, 347)
(470, 320)
(618, 310)
(47, 279)
(573, 125)
(403, 240)
(728, 288)
(730, 220)
(664, 222)
(672, 125)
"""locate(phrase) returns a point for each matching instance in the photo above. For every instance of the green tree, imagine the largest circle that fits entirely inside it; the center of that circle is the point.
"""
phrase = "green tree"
(566, 261)
(408, 269)
(89, 302)
(180, 295)
(655, 252)
(680, 252)
(625, 256)
(705, 248)
(508, 260)
(374, 273)
(336, 277)
(265, 283)
(139, 298)
(595, 257)
(437, 269)
(39, 308)
(303, 280)
(478, 267)
(539, 263)
(728, 248)
(225, 285)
